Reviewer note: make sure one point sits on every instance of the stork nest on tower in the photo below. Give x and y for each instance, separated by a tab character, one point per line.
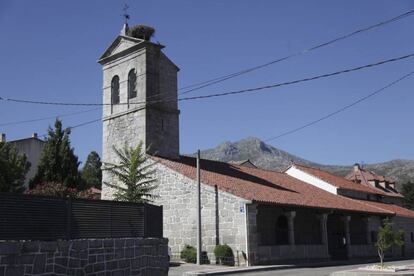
142	32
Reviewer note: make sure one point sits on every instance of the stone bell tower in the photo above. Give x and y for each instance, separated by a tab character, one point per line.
139	96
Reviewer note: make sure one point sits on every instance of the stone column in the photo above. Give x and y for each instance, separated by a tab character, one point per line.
323	218
324	228
252	235
368	228
347	219
291	226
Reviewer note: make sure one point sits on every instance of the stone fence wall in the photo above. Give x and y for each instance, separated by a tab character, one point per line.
124	256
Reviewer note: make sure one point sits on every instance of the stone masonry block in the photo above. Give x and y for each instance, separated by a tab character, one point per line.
95	244
30	247
49	246
14	271
7	248
80	245
39	265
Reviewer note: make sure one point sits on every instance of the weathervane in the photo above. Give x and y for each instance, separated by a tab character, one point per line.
126	15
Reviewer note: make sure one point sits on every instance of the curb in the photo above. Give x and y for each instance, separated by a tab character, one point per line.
275	267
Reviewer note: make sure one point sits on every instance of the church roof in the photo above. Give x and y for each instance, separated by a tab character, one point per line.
397	210
264	186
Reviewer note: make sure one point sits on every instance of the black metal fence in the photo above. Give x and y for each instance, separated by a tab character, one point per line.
28	217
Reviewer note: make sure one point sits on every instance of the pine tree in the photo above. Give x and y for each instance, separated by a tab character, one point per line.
135	175
13	169
57	163
91	172
408	193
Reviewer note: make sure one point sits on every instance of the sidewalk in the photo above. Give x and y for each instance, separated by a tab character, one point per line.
185	269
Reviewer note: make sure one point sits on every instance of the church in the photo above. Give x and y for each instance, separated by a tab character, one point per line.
302	214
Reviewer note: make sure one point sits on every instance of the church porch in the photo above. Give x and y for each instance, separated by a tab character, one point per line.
279	234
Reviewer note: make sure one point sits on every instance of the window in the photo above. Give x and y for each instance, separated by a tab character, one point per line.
132	84
115	90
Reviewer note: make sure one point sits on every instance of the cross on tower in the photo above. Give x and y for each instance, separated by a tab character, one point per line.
126	15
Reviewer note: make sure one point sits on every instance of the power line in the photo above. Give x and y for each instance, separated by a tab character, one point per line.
50	117
224	93
296	81
200	85
79	125
89	122
203	84
341	109
307	124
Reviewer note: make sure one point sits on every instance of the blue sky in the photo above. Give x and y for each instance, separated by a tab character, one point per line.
49	49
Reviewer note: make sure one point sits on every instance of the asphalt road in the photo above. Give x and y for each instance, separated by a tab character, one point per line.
304	271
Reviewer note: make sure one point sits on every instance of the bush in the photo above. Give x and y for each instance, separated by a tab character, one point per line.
189	255
52	189
224	254
59	190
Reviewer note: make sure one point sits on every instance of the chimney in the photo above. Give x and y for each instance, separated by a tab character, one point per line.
2	137
34	135
356	167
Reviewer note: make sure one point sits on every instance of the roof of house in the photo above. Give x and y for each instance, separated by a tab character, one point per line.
26	139
397	210
338	181
363	177
263	186
245	162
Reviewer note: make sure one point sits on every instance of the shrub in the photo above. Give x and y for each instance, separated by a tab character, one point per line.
224	254
52	189
59	190
189	254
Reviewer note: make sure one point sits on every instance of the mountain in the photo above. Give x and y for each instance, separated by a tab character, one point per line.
271	158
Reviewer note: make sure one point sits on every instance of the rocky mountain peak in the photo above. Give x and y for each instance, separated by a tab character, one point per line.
268	157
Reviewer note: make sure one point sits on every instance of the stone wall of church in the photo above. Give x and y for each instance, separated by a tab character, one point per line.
127	129
121	124
223	214
162	123
127	123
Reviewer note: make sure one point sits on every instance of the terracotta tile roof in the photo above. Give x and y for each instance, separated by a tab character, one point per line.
264	186
397	210
369	175
364	176
338	181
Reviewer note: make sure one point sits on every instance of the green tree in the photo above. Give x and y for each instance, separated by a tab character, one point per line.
135	175
408	193
91	173
387	238
13	169
58	162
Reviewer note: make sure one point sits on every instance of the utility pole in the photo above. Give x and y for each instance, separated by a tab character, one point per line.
198	209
